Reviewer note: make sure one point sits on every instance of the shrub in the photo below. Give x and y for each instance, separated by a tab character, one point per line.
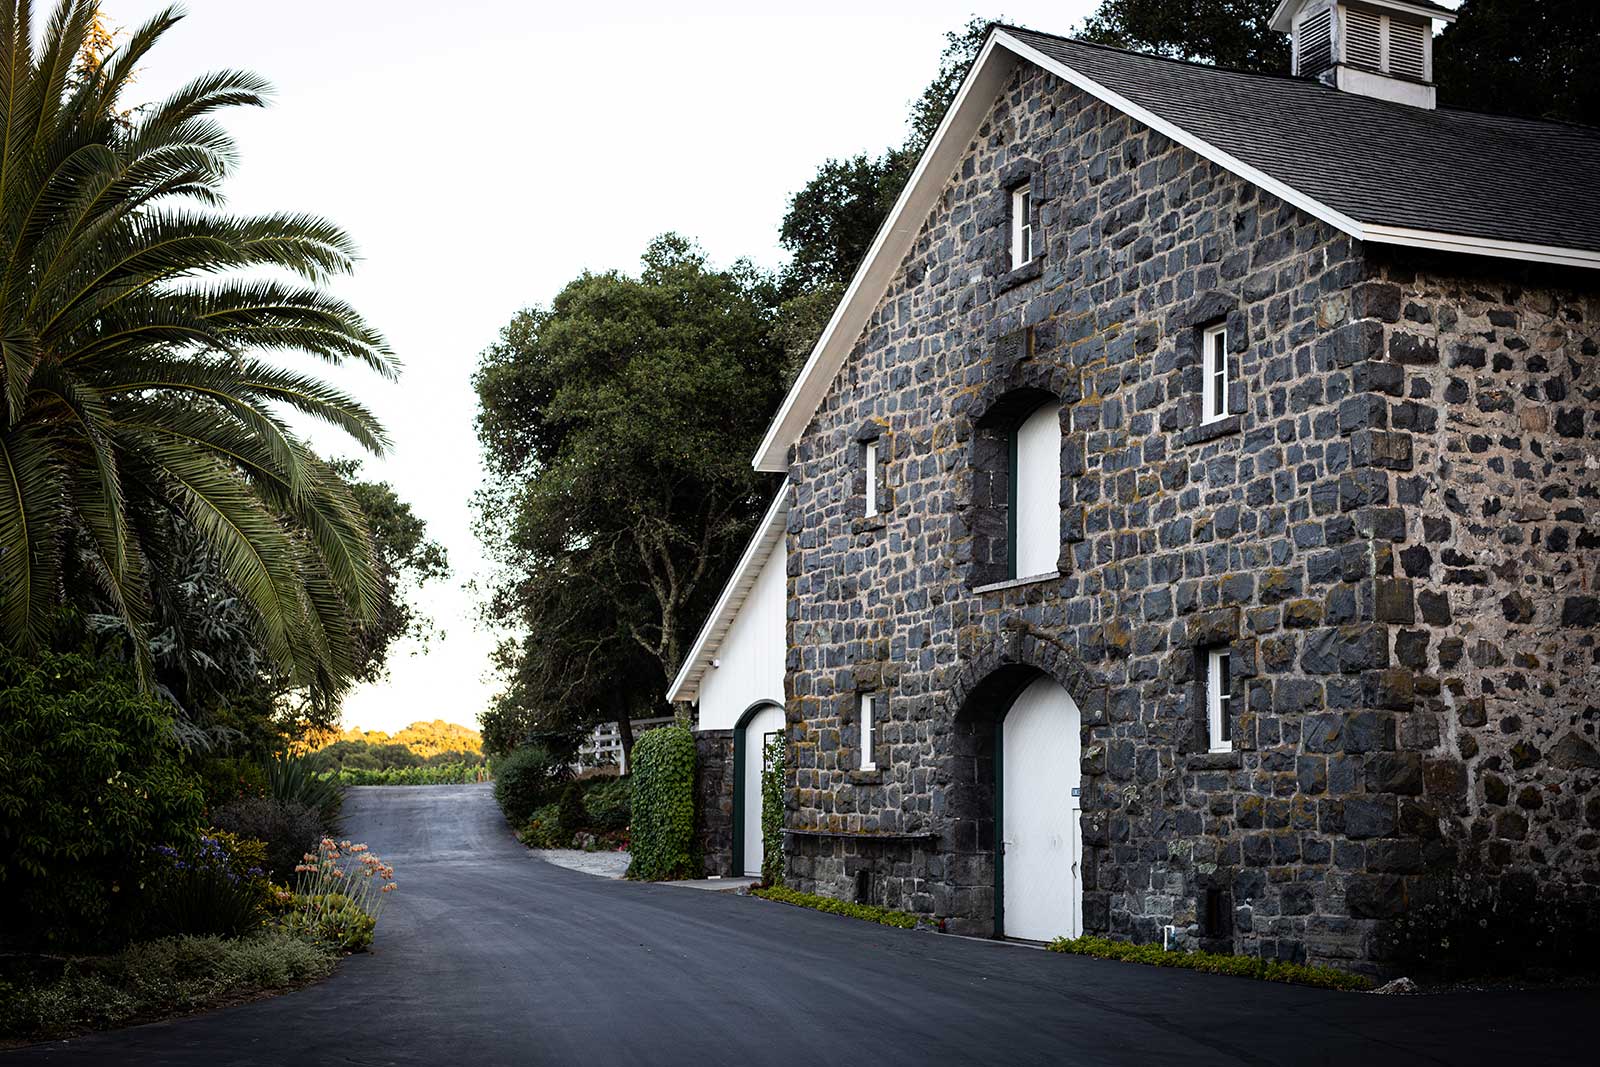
226	778
570	810
1211	963
543	829
606	803
155	978
662	825
90	783
869	912
772	812
293	780
207	890
287	829
527	779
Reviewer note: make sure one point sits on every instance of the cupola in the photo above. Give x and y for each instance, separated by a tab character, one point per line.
1379	48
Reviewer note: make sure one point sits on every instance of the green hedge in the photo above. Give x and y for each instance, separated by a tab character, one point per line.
869	912
772	812
1211	963
662	829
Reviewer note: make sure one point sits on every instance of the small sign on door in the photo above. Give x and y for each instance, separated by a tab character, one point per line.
1075	791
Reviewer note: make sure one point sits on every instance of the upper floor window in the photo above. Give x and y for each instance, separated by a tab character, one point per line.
869	737
1035	484
1021	226
1218	373
870	462
1219	701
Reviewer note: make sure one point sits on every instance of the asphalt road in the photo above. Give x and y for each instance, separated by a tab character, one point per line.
488	955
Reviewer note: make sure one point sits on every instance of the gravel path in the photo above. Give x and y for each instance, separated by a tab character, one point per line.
604	864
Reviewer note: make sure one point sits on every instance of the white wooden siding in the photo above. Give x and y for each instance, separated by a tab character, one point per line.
751	653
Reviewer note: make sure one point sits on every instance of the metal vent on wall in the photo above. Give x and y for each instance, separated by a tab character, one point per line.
1314	43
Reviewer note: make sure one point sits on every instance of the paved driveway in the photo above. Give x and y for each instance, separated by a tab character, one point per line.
488	955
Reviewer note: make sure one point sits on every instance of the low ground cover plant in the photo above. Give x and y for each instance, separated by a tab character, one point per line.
55	997
1211	963
868	912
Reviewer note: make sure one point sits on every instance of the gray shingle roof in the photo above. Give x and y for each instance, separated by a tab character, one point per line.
1383	164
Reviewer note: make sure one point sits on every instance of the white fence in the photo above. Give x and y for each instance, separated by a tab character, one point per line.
604	746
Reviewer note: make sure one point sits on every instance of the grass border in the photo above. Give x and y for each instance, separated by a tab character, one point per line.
1213	963
871	913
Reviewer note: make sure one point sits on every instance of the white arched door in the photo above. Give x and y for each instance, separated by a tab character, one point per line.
762	724
1042	863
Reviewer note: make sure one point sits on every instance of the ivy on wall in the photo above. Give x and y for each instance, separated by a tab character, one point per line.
772	811
662	831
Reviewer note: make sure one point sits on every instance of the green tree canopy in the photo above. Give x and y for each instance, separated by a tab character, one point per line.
1520	57
617	427
1227	33
147	358
1523	57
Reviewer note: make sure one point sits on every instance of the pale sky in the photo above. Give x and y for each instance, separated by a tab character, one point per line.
484	152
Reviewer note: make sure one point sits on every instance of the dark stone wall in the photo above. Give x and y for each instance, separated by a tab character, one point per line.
713	800
1283	534
1491	392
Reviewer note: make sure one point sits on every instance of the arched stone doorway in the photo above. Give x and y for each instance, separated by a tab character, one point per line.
1039	688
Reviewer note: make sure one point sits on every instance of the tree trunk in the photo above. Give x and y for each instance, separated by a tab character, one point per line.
624	734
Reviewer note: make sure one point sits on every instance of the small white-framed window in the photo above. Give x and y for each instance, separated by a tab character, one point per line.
870	461
1219	701
1021	226
1218	373
869	706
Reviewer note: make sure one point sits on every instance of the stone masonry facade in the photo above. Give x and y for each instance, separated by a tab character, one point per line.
1394	533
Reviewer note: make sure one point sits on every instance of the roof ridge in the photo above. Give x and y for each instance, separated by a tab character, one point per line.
1150	55
1199	65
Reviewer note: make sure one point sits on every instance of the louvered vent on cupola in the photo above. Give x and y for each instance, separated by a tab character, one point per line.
1381	48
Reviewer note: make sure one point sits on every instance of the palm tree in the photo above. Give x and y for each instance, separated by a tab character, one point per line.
146	347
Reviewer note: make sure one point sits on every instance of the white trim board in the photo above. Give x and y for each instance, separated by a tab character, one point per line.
686	686
971	105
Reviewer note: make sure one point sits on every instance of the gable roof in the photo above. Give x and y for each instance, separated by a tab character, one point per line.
1382	172
686	686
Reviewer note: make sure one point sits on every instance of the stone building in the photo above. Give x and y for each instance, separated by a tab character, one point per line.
1192	511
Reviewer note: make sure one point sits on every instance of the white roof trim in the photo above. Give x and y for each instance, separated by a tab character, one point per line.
972	102
686	686
888	250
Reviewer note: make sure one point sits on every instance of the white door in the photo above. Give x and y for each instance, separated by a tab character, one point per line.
1043	896
763	724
